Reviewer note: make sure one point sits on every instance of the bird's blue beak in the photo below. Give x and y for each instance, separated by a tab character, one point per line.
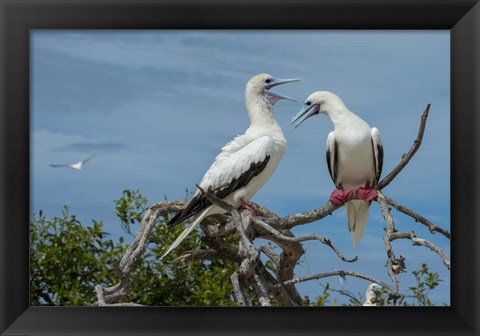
276	82
306	112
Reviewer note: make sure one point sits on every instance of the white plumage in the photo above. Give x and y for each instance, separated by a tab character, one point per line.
354	156
370	294
244	164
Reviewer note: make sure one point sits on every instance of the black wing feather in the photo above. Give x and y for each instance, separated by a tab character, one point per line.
200	202
378	171
333	172
380	161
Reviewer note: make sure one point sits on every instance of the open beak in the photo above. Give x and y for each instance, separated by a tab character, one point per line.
306	112
276	82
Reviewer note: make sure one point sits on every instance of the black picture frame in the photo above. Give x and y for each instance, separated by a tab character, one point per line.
18	17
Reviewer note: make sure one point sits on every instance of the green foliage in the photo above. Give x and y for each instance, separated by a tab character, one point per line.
67	259
170	283
426	282
130	208
324	298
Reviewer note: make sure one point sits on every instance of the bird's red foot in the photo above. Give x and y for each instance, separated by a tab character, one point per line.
340	196
249	208
367	194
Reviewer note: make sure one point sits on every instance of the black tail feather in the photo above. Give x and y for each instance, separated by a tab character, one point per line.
178	218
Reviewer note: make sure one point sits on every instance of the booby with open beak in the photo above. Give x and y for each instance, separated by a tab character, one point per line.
354	157
244	164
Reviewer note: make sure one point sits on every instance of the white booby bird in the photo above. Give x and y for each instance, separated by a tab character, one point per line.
370	294
245	163
77	165
354	157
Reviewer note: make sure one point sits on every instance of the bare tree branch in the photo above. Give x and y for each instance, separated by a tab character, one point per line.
270	253
274	233
291	221
406	157
334	273
389	230
418	218
198	255
242	297
422	242
261	290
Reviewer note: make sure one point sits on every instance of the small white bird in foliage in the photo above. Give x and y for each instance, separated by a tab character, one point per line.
76	165
244	164
370	294
354	157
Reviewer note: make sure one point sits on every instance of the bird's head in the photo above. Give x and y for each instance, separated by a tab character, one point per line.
318	102
261	84
370	293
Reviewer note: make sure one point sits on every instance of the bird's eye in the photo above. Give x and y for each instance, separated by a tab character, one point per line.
268	80
308	103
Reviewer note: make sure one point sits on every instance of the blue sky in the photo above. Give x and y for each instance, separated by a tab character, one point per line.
155	107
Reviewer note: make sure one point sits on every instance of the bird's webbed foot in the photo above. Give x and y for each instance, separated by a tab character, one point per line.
340	196
247	206
367	193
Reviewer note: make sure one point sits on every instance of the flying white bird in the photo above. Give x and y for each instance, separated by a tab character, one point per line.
354	157
244	164
76	165
370	294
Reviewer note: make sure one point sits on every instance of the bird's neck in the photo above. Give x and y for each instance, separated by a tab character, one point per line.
339	113
260	111
262	120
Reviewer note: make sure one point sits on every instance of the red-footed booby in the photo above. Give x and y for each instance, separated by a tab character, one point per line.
244	164
354	157
77	165
370	294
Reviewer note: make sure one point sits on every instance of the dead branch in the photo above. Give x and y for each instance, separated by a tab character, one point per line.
291	221
198	255
261	226
418	218
219	229
241	295
406	157
421	242
261	290
335	273
392	263
270	253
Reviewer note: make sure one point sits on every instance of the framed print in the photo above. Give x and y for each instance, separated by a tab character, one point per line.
126	101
